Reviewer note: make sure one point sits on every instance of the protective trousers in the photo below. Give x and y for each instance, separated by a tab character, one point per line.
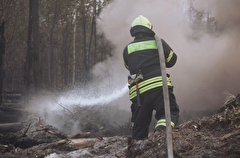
142	115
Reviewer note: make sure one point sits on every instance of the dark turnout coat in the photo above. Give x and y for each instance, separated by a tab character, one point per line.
142	55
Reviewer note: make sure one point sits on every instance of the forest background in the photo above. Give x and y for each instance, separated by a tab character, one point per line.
49	45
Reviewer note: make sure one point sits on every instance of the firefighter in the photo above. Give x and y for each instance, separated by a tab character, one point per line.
141	58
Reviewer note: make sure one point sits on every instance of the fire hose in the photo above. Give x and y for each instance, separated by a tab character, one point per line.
166	98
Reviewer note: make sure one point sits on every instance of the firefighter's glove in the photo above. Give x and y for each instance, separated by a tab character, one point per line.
135	78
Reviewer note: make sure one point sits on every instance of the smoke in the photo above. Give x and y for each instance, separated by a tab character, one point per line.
205	36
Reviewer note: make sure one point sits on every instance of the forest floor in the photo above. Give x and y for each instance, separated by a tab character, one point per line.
215	136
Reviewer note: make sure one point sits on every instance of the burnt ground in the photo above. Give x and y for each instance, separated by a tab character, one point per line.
215	136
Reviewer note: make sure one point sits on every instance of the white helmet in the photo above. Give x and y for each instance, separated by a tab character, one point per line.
142	21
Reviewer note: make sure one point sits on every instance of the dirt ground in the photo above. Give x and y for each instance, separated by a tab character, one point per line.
215	136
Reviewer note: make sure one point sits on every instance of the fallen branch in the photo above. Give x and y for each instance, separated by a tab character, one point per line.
226	136
72	143
11	127
25	132
53	144
83	142
81	135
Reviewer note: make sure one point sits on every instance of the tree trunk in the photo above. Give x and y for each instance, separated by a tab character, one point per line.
93	36
28	63
65	56
2	51
31	65
52	57
85	53
95	33
35	43
74	45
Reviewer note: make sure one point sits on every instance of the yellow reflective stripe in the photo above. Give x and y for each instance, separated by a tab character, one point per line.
148	85
162	122
133	47
151	86
126	66
133	89
144	89
150	81
131	96
170	56
146	82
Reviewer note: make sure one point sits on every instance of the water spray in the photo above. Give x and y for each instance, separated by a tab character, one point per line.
90	99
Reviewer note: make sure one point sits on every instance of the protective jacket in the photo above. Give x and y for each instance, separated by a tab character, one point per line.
142	55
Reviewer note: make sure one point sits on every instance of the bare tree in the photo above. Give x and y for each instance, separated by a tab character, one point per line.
68	45
35	41
31	65
2	51
74	44
85	53
93	34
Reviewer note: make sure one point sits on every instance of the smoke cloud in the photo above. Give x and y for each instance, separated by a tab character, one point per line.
205	36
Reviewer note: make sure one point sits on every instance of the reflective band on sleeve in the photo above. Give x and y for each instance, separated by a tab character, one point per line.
147	85
133	47
126	66
170	56
162	122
